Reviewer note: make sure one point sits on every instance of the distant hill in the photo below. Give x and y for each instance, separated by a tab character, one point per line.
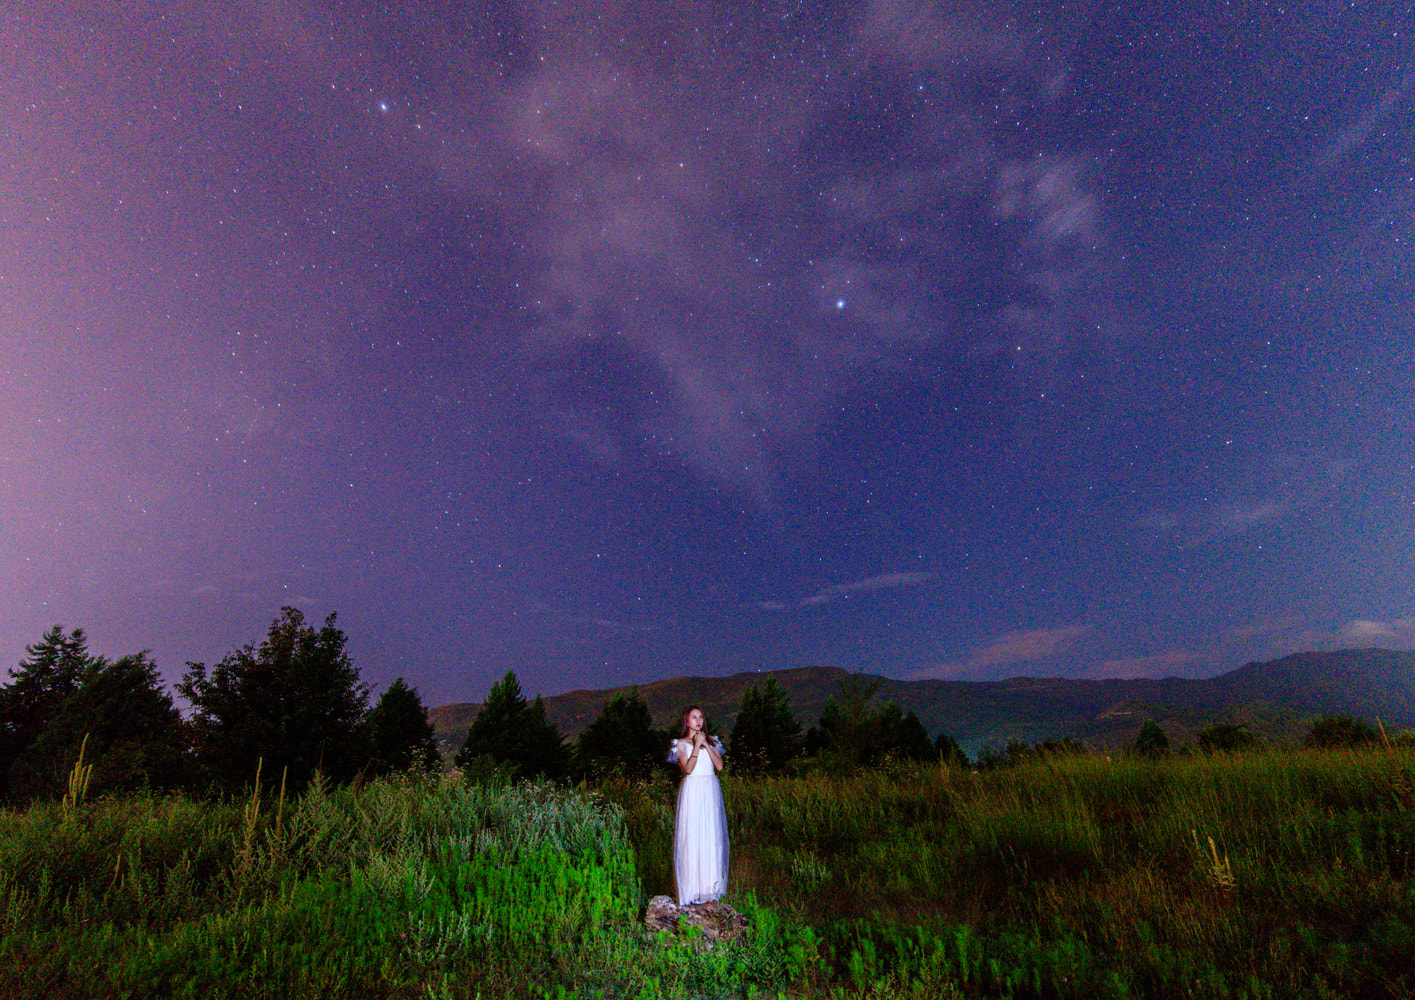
1277	699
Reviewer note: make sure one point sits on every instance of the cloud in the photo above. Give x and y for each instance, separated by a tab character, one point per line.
1241	517
1170	663
1398	631
1356	134
885	581
732	256
1212	523
705	255
609	626
1023	646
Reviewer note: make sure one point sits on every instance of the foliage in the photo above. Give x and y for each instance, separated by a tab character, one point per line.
765	734
1151	741
52	670
1071	875
400	735
512	733
1227	737
1017	752
414	886
1245	876
132	733
1333	731
61	698
621	741
295	702
950	752
852	733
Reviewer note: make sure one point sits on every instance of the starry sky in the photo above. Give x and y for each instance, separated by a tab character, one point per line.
610	341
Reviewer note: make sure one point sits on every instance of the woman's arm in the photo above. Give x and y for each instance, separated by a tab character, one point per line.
711	746
686	761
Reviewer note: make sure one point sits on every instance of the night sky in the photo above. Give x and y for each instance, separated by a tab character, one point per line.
610	341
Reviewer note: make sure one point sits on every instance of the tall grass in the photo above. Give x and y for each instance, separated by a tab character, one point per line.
1269	875
411	887
1275	874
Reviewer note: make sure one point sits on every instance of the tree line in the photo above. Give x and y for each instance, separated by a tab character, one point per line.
294	704
291	705
512	735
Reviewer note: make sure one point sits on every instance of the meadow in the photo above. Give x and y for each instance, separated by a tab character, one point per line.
1275	874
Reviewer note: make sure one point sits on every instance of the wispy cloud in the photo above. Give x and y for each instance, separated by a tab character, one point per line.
1356	134
1170	663
663	254
1216	522
1397	631
884	581
609	626
1022	646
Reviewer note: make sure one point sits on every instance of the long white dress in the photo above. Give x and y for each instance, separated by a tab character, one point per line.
699	829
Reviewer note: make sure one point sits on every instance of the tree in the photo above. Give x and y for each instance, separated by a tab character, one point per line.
1226	737
1340	731
512	733
295	701
843	733
52	670
127	726
851	733
765	735
621	742
400	735
950	751
1150	741
902	735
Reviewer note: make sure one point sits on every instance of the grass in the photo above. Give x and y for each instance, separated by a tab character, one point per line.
1275	874
1267	875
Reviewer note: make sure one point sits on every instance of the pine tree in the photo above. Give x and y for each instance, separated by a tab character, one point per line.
853	734
950	751
127	725
621	742
400	735
52	670
511	733
765	735
1150	741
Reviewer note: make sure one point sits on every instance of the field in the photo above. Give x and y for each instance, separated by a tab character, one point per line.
1268	875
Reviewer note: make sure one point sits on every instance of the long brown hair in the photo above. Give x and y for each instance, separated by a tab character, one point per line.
683	721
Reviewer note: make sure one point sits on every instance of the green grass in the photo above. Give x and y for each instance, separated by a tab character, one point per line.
1084	876
411	887
1270	875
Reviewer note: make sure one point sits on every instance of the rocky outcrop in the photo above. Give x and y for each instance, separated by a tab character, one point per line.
718	922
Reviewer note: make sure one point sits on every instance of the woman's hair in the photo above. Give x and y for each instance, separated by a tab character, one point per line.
683	720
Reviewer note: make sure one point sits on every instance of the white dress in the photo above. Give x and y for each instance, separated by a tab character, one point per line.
699	829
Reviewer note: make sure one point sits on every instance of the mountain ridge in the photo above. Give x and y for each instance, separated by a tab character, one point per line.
1275	698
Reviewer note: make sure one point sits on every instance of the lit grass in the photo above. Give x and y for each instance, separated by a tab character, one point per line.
410	887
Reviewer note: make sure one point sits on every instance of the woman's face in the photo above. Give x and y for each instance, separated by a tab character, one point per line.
695	720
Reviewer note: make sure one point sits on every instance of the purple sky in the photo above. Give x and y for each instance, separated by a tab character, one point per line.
612	341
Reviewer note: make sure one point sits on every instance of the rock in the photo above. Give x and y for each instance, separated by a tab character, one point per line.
717	921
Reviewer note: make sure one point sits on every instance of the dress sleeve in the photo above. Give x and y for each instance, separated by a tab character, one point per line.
717	745
673	752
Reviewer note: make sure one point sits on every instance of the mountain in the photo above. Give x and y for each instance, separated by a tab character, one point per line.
1277	699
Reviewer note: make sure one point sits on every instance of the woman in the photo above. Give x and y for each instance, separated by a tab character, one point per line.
700	828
